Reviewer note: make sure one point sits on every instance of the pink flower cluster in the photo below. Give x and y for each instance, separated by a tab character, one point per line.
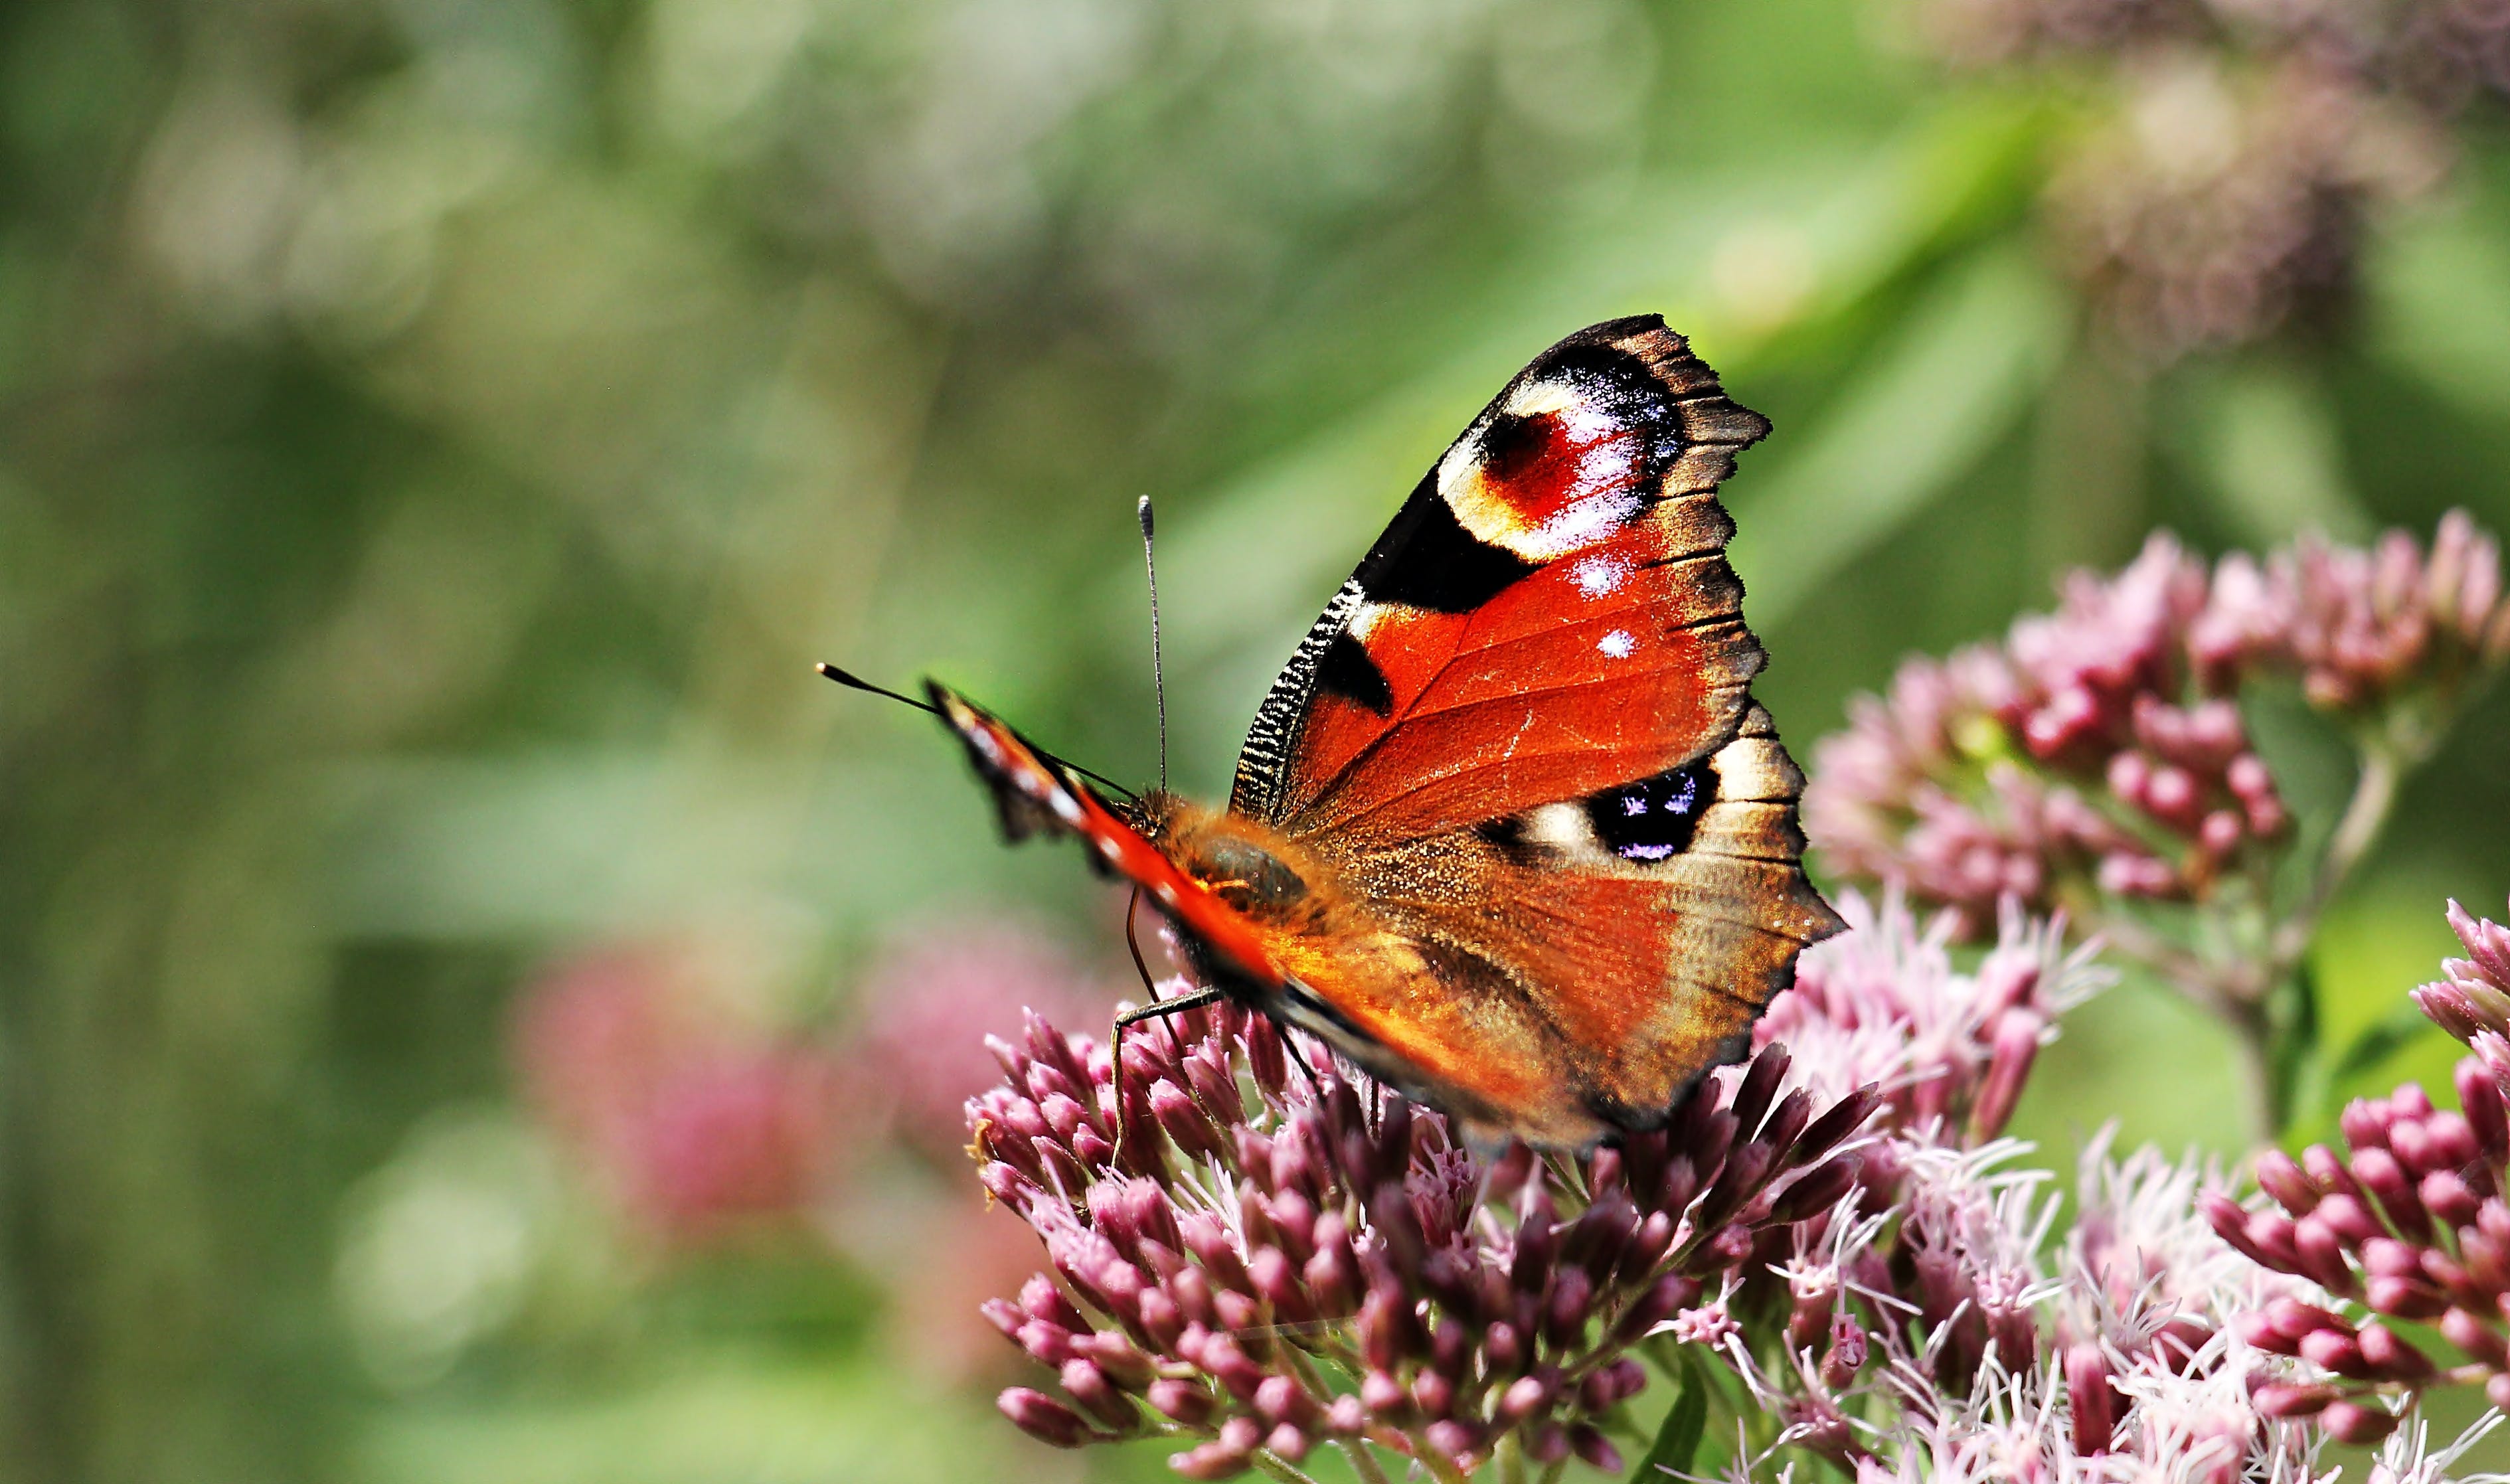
2100	752
1258	1265
1985	1350
2408	1223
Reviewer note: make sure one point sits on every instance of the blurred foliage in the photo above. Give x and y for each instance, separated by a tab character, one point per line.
436	438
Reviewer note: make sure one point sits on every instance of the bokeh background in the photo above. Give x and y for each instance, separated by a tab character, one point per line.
474	1007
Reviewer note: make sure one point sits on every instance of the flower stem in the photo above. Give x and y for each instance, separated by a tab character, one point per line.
1363	1463
1272	1466
1510	1456
2365	813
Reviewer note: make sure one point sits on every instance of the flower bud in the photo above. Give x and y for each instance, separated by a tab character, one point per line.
1383	1395
2478	1341
1045	1419
2092	1399
1564	1319
2390	1358
2290	1399
1089	1385
1759	1084
1595	1448
2334	1351
2349	1219
2386	1179
2014	1046
2280	1175
1816	1192
2356	1423
2481	1101
1433	1393
2403	1298
2365	1124
1452	1437
1524	1397
2448	1198
1182	1401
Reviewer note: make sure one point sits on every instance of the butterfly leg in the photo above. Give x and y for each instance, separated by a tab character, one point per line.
1154	1010
1290	1044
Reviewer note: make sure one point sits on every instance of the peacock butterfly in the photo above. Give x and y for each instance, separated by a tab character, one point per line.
1508	831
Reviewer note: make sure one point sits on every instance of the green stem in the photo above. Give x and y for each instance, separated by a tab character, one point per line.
2365	813
1272	1466
1510	1456
1362	1462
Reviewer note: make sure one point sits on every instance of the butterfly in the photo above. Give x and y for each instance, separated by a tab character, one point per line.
1509	831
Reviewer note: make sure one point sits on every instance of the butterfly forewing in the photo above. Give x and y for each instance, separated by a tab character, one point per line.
1550	614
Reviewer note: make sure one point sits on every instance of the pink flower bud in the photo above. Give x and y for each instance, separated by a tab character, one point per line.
1043	1418
2403	1298
1433	1393
2446	1197
1182	1401
1596	1449
2093	1401
2392	1358
1524	1397
2481	1099
2280	1175
1280	1399
2356	1423
2289	1399
2014	1044
1099	1396
2478	1341
2322	1255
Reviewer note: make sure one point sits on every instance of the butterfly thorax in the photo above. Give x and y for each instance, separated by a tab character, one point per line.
1246	864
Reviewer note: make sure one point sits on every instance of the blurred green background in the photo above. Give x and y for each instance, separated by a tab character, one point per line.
438	436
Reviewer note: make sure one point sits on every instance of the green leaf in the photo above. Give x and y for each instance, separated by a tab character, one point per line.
1678	1440
1958	373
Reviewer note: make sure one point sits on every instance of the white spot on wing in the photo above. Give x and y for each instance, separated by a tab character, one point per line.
1618	644
1600	576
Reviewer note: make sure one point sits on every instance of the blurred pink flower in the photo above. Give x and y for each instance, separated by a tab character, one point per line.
925	1006
694	1123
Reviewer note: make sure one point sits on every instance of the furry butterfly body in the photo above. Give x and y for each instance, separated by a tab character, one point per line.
1509	830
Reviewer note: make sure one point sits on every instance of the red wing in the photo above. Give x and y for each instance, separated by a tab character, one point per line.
1585	980
1549	615
1034	795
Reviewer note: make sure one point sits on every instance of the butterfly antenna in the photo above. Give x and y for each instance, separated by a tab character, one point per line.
854	682
1159	676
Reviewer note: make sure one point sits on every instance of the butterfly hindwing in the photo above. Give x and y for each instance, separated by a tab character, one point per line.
1579	979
